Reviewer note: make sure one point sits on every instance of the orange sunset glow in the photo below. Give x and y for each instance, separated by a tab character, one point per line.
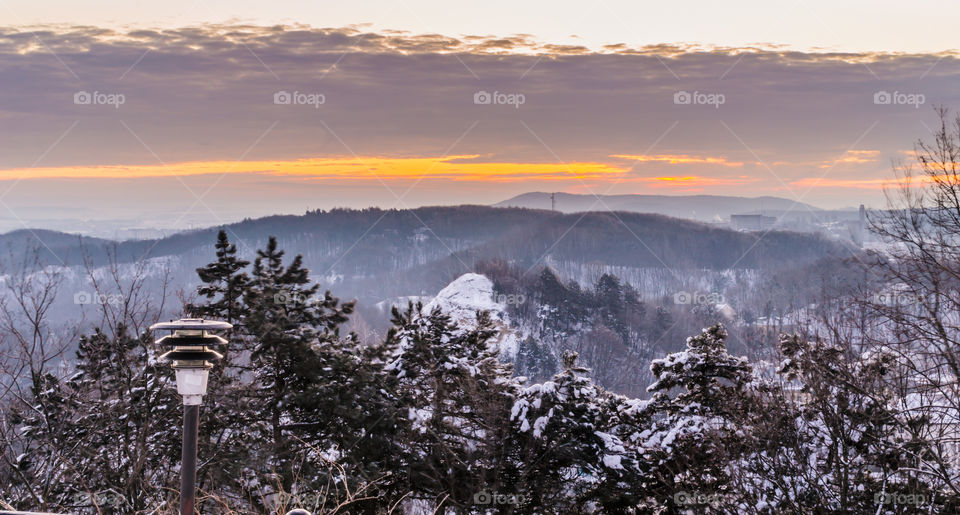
341	168
376	168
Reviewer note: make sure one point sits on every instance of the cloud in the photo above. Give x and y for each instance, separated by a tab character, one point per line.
201	100
869	184
680	159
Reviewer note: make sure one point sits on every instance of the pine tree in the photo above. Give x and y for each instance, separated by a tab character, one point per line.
223	285
698	431
350	417
572	457
308	399
562	307
38	477
286	324
855	435
659	328
610	304
535	360
453	397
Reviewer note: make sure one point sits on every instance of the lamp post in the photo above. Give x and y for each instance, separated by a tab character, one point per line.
191	358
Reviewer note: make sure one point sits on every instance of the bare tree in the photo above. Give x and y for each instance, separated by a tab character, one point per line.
84	424
31	348
916	314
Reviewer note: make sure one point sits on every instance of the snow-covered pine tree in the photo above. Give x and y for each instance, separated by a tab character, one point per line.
535	360
856	434
571	457
560	307
699	411
35	472
453	399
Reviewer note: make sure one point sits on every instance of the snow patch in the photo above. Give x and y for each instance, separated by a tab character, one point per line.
469	293
466	295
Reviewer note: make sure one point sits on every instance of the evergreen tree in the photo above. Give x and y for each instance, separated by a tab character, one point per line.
856	435
286	324
223	285
550	289
39	477
309	400
610	303
659	328
102	440
699	430
554	312
572	458
453	397
535	360
350	417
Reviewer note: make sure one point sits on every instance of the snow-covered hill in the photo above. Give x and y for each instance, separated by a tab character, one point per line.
469	293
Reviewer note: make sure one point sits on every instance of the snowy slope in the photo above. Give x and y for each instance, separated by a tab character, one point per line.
470	293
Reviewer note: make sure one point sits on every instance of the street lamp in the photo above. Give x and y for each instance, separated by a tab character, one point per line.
191	358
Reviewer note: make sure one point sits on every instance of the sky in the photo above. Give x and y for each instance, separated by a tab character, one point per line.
124	112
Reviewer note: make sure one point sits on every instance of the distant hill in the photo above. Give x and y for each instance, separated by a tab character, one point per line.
361	242
377	253
52	247
694	207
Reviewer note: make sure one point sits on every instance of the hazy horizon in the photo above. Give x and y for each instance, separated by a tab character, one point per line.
139	226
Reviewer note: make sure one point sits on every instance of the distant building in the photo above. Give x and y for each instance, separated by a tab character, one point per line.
752	222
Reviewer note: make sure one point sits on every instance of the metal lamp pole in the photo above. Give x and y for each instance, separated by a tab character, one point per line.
191	359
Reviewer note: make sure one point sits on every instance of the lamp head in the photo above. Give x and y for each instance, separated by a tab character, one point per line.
190	353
